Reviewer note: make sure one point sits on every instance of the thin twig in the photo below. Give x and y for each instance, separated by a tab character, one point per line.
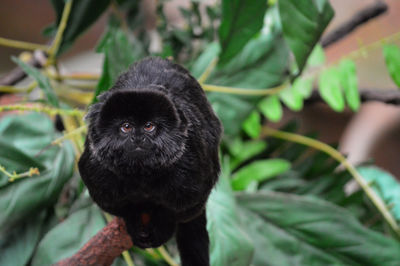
375	199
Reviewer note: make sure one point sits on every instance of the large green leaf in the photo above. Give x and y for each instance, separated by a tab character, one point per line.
261	64
22	137
119	53
385	185
295	230
42	80
303	22
68	237
241	20
258	171
230	245
18	244
391	53
83	14
209	54
232	111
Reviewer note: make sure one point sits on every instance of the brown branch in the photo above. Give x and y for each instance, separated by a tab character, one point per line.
366	95
103	248
358	19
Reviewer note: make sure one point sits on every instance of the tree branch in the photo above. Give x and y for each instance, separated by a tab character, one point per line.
358	19
103	248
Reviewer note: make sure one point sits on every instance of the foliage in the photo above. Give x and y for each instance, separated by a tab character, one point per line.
277	202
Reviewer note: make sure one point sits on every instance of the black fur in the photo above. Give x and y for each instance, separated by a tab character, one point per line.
164	186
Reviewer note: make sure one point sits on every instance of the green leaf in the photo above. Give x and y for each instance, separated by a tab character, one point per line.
292	98
18	244
204	60
261	64
229	244
241	20
296	230
83	14
41	79
349	83
271	108
386	186
252	125
242	151
68	237
303	23
329	87
231	110
22	137
258	171
119	54
317	56
303	87
391	53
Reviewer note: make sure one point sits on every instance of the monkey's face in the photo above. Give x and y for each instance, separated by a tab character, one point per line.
138	128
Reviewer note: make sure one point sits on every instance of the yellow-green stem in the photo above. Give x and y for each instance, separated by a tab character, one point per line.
165	255
60	31
208	71
22	45
13	89
375	199
69	135
242	91
42	109
13	176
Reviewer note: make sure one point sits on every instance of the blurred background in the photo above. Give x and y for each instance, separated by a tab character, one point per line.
370	134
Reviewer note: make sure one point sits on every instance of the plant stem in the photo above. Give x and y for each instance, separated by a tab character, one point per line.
242	91
69	135
42	109
208	71
74	76
22	45
375	199
61	27
165	255
13	176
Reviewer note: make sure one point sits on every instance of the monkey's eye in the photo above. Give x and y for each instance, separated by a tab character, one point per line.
149	127
126	127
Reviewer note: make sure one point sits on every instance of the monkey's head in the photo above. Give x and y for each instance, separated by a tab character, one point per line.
140	127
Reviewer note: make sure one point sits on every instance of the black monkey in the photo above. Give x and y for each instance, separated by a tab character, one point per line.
151	156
